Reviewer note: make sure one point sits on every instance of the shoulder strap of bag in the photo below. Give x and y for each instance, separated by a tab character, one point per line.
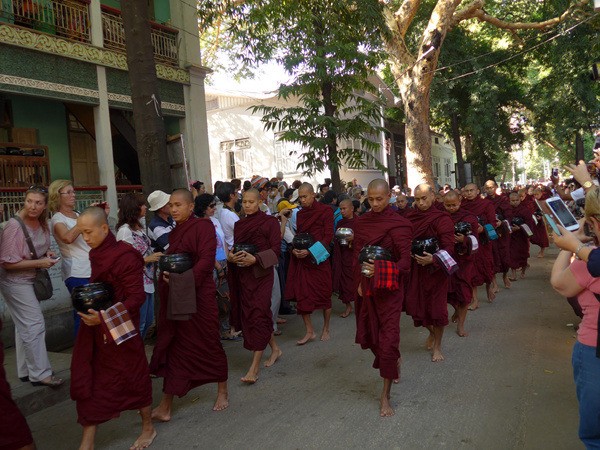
27	237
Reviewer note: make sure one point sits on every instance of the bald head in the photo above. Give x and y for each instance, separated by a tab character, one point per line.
346	202
93	225
379	184
94	215
424	189
183	194
306	187
471	191
452	202
182	205
347	208
490	187
253	193
424	197
451	195
251	201
306	195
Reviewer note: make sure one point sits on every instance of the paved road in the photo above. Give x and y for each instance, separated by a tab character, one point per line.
508	385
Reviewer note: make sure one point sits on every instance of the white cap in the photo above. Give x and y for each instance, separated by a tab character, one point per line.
294	196
157	200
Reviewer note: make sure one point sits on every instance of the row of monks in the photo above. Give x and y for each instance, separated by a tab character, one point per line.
107	378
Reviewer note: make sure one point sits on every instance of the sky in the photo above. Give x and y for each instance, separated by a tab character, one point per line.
267	79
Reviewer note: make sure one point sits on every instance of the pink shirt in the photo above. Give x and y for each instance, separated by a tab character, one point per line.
588	329
14	249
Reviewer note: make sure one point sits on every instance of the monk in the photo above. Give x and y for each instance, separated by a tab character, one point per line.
460	294
343	263
251	278
402	204
540	233
426	299
188	353
519	239
309	284
378	318
501	246
483	259
107	378
14	431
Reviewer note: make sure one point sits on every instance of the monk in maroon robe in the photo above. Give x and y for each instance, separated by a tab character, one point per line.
107	378
426	299
14	431
188	353
460	293
540	233
402	204
483	259
343	263
251	278
519	240
501	246
378	318
309	284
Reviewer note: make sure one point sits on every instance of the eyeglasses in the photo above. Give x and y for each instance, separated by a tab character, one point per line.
38	188
212	205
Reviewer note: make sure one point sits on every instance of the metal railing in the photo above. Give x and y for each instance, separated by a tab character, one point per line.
164	39
66	18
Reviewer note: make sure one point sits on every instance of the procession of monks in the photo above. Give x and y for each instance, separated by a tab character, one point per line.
108	378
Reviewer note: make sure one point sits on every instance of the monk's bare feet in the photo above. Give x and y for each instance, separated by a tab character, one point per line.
386	409
491	294
144	440
507	283
325	336
473	306
222	401
429	342
523	270
305	339
160	414
347	312
397	380
275	355
437	356
455	317
249	378
541	254
461	332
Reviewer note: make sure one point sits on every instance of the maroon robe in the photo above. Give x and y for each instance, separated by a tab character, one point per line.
426	299
14	431
378	317
188	353
461	281
107	378
519	241
343	265
403	212
484	259
501	246
250	287
307	283
540	233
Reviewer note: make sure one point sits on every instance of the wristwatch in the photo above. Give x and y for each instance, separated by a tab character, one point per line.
588	184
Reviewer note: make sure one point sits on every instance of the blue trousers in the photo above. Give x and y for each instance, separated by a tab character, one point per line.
71	283
146	315
586	372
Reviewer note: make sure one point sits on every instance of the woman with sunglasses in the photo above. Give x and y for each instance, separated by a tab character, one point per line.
17	286
205	206
132	208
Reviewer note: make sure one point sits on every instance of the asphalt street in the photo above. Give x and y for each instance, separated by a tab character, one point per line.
507	385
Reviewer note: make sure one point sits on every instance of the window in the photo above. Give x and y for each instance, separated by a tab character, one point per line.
239	157
447	168
286	152
437	140
436	166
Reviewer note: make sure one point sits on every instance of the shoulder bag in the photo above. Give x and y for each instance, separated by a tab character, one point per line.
42	285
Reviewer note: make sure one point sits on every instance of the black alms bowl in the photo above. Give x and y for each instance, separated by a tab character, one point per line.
303	241
96	296
518	221
248	248
374	252
176	262
463	228
420	246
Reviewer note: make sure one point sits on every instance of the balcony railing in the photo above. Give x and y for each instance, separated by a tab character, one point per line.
164	39
66	18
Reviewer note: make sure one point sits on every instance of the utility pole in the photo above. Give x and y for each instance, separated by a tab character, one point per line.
148	122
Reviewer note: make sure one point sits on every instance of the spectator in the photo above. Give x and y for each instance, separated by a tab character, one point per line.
198	188
132	208
296	184
227	195
75	264
330	199
17	285
280	181
162	223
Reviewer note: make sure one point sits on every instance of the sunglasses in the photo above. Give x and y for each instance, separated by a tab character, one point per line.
38	188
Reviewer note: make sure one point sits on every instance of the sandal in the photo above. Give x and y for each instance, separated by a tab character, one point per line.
54	382
24	379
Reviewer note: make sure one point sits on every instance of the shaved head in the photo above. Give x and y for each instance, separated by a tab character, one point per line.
346	202
379	183
451	195
424	188
306	195
472	186
183	194
424	197
378	195
93	225
252	192
94	216
307	187
347	208
452	202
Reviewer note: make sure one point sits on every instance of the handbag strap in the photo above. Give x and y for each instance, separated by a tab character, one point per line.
27	237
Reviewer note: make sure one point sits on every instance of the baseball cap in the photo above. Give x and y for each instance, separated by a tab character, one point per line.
284	204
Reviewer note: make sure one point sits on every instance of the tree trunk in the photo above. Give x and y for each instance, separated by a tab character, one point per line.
579	149
460	162
147	117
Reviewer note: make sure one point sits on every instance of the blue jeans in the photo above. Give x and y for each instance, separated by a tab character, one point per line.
146	315
586	372
71	283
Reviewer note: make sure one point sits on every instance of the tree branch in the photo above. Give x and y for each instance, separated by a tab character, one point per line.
405	15
396	44
468	12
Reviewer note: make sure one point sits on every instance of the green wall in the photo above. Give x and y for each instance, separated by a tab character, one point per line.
172	125
50	118
112	3
162	9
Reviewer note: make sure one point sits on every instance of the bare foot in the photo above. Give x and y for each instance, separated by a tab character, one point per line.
437	356
222	401
491	294
144	440
507	282
429	342
397	380
541	254
305	339
347	312
473	306
455	317
325	336
523	270
386	409
281	321
161	415
461	332
274	357
248	379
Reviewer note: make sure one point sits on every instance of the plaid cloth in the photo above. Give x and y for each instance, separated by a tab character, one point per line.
527	230
119	324
446	261
385	276
471	243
